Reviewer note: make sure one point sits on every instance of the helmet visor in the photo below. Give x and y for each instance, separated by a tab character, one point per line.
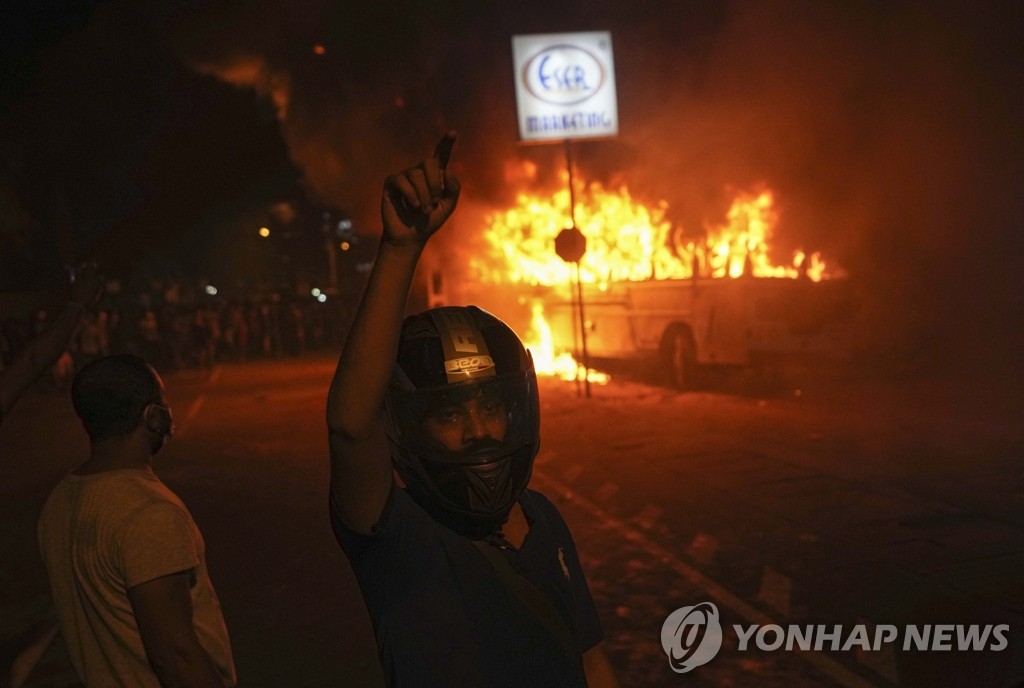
467	423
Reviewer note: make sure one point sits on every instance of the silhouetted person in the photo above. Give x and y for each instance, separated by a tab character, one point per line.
47	347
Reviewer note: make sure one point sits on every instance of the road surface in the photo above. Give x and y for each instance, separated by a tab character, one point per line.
862	503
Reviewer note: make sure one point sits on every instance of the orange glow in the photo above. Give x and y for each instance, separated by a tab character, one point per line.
626	240
541	343
264	232
249	71
319	49
520	172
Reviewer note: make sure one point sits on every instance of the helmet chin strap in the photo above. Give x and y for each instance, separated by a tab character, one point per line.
474	500
476	526
489	486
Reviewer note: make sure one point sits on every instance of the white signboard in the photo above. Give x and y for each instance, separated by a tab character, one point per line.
565	86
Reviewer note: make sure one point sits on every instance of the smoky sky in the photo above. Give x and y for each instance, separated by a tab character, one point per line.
888	130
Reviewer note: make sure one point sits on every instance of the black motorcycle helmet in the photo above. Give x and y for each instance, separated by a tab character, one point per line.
459	367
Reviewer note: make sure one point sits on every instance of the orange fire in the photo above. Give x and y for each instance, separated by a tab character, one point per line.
549	359
626	240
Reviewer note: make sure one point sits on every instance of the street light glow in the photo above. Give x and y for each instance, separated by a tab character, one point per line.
321	298
315	292
211	290
264	232
344	246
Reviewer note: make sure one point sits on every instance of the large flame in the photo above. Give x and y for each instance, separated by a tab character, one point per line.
626	240
551	359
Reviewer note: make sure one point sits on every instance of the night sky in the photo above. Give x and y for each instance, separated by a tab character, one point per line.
155	133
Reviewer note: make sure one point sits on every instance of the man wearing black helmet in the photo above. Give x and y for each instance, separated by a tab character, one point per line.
470	578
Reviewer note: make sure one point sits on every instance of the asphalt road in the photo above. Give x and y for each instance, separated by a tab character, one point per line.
861	503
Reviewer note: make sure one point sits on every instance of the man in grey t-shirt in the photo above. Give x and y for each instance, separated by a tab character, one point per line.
126	562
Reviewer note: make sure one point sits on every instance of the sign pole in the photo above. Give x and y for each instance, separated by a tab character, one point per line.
565	89
579	284
572	187
576	326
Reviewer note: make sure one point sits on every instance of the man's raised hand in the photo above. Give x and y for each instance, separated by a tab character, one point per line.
417	201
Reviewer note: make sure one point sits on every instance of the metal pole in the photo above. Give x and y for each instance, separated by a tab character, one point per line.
572	189
572	219
583	332
575	340
579	284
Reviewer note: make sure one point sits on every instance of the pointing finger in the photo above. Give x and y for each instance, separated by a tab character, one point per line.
443	150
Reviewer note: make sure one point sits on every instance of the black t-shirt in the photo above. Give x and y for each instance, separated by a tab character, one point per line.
442	616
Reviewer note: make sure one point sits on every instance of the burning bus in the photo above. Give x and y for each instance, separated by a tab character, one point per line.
652	295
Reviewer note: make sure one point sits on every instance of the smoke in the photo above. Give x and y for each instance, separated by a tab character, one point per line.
351	86
887	130
252	71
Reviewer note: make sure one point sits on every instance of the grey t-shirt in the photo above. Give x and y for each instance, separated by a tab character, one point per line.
103	534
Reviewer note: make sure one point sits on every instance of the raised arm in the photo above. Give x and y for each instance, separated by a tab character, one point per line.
40	353
414	205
